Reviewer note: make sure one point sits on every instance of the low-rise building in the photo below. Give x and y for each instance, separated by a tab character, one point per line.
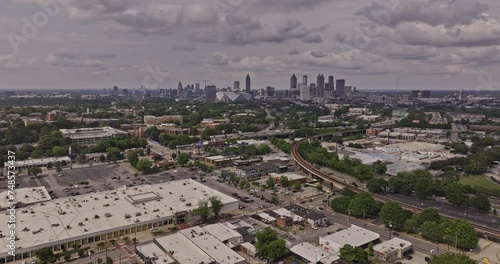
154	120
60	223
213	123
22	165
87	136
312	217
218	161
193	245
312	254
392	249
355	236
226	235
262	169
292	177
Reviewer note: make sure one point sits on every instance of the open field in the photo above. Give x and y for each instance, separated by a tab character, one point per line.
479	181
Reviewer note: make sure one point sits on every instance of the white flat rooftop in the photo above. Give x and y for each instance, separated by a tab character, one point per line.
221	232
155	253
391	245
355	236
35	162
24	196
313	253
183	250
62	220
221	253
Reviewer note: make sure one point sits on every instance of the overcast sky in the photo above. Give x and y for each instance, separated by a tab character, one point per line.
434	44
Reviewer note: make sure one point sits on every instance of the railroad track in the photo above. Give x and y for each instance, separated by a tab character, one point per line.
490	232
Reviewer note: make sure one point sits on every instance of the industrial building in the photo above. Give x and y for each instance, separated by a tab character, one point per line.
89	218
87	136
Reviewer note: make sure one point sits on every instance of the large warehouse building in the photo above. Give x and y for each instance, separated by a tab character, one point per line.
106	215
87	136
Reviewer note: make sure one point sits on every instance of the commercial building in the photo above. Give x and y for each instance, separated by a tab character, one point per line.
86	136
213	123
293	82
355	236
218	161
40	163
153	120
312	254
392	249
89	218
192	245
292	177
262	169
210	93
312	217
248	84
305	92
223	233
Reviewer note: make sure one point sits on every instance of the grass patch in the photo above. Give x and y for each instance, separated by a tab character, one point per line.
479	181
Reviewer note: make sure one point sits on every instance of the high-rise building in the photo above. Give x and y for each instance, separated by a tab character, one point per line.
304	80
115	90
197	86
330	82
125	92
293	82
211	93
340	87
305	92
236	85
179	90
248	87
321	85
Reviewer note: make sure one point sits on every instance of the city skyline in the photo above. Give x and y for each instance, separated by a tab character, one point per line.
409	45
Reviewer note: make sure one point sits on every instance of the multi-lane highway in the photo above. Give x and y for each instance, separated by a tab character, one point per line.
483	227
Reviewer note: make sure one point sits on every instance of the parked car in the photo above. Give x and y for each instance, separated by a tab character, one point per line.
427	259
409	257
234	194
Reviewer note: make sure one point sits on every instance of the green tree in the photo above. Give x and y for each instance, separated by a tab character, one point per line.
270	183
319	187
67	256
174	155
58	151
411	225
269	245
377	185
144	165
393	213
157	157
353	255
297	186
363	205
481	202
457	194
133	158
462	234
451	258
432	231
284	181
203	211
182	158
216	205
109	260
45	254
429	215
34	171
114	153
347	192
341	204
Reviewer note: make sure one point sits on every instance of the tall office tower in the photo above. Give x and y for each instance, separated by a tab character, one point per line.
210	93
248	87
115	90
125	92
415	94
330	81
197	86
340	87
321	85
179	90
426	94
293	82
314	91
304	80
236	85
